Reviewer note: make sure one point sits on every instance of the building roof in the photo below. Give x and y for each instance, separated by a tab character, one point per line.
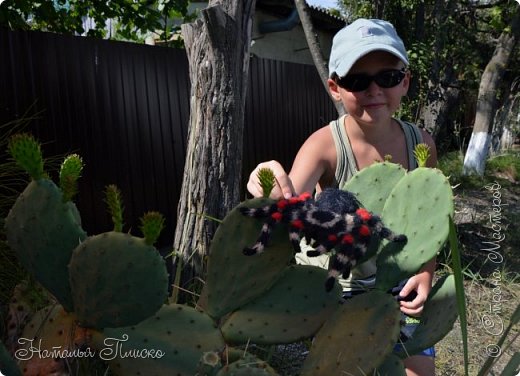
322	18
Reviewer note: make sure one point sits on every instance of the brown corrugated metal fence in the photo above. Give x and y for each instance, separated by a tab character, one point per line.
125	108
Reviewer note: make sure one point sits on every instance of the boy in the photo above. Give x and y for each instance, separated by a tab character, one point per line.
368	74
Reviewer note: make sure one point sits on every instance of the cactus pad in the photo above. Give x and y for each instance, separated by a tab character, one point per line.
247	365
356	338
293	309
43	231
116	280
27	153
234	279
419	206
181	333
373	184
391	366
437	319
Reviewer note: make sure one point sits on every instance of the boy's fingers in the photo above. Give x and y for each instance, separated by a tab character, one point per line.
285	185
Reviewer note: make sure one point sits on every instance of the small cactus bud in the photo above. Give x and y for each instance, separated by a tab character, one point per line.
70	172
388	158
267	181
152	223
115	206
422	153
27	153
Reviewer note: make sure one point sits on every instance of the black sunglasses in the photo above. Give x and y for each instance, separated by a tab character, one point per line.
361	81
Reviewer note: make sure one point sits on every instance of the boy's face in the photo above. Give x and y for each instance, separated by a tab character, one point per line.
374	104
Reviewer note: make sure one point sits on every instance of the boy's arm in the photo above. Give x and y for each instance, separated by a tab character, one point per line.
421	283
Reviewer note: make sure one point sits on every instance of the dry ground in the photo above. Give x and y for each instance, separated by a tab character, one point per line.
492	281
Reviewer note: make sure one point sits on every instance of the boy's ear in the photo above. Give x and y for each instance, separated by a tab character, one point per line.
334	89
406	81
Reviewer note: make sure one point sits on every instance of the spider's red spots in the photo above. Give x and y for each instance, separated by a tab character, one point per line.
364	231
364	214
305	196
297	224
277	216
332	238
293	200
281	204
349	239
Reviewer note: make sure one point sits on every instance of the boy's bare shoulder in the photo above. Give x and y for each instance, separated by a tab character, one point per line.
322	137
320	145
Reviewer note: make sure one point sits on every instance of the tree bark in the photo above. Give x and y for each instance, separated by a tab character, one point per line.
475	158
316	52
217	46
441	98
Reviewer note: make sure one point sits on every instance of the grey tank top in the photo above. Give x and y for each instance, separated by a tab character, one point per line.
346	165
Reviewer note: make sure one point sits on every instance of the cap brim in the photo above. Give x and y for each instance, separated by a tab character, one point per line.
346	64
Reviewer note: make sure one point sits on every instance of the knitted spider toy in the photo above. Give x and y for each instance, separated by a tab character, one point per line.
334	220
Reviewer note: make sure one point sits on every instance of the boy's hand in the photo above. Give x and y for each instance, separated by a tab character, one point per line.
421	284
283	187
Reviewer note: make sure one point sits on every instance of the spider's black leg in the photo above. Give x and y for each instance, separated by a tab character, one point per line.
294	237
261	243
385	233
334	272
322	247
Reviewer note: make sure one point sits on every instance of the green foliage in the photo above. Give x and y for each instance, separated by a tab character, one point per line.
25	150
132	20
267	181
152	223
70	172
114	202
422	154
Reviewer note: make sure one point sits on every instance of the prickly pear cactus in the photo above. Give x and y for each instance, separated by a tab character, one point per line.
293	309
117	280
391	366
419	206
233	279
373	184
356	338
247	365
171	342
381	178
42	227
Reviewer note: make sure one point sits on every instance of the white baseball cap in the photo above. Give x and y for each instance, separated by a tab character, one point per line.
360	38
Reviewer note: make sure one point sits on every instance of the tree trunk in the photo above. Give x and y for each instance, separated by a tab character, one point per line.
441	98
506	125
314	46
217	46
474	161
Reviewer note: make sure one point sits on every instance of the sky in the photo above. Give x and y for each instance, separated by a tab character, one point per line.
323	3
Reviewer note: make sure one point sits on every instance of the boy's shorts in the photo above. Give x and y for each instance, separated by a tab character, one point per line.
407	330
